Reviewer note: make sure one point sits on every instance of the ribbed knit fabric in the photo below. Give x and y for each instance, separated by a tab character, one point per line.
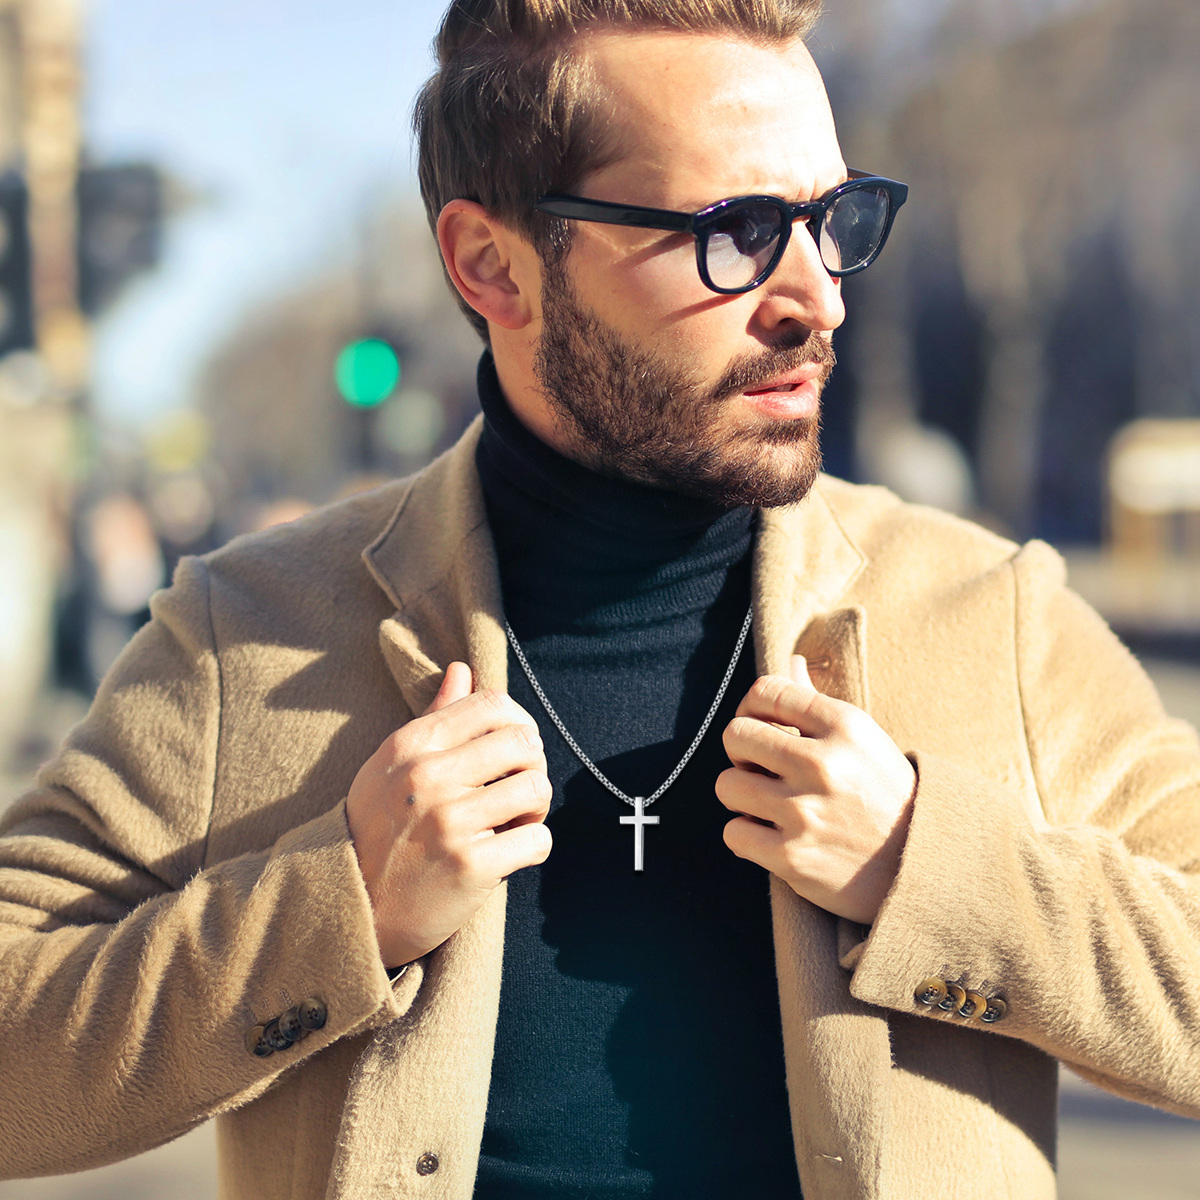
638	1051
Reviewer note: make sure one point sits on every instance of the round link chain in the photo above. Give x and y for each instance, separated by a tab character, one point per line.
578	750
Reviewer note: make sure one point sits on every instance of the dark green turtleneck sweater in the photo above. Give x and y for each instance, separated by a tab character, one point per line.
638	1052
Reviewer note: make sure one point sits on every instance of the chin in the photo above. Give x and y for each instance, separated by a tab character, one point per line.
769	469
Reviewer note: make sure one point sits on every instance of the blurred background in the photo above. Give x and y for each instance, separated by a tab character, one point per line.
220	305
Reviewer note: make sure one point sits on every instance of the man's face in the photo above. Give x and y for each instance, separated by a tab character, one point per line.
650	375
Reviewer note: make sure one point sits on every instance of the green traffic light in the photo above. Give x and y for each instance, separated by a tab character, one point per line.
367	372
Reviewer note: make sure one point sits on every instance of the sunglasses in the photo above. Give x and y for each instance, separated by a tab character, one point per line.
739	242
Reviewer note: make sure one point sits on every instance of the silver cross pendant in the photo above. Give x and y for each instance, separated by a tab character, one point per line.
639	821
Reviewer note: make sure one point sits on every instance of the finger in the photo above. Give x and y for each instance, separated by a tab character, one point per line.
756	843
752	744
498	857
472	716
787	702
751	794
478	761
798	670
519	799
457	684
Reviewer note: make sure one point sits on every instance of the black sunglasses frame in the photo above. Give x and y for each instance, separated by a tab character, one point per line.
699	224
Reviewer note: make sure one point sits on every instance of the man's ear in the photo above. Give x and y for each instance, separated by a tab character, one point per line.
496	271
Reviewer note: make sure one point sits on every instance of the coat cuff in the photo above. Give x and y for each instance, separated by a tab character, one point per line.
332	958
947	917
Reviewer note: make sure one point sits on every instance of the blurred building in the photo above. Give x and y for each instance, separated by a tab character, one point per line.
1044	286
43	339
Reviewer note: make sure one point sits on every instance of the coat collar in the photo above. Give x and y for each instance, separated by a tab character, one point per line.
804	563
436	561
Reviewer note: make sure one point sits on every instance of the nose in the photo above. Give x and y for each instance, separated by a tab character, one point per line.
800	289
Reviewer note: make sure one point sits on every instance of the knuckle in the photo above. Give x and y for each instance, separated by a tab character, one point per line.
527	736
458	860
851	722
444	822
736	729
401	745
540	787
494	699
825	770
422	776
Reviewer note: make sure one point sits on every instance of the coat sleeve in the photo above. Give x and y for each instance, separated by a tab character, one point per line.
131	973
1084	918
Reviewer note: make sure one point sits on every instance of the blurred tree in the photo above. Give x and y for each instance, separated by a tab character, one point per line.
281	426
1057	177
16	279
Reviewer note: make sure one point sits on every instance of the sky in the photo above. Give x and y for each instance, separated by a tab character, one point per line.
289	117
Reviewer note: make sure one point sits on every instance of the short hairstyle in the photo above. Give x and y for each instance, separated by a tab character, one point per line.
512	112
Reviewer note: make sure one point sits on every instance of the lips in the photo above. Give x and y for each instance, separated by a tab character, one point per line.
792	396
772	388
790	382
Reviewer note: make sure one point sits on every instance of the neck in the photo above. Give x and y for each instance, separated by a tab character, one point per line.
607	546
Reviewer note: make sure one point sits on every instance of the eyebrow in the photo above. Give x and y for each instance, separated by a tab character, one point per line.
740	195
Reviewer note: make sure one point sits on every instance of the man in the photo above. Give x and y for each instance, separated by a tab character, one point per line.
835	951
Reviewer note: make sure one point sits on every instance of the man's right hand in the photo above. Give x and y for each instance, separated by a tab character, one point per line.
450	805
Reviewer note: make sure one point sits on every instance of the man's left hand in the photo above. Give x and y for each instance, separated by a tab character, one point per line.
828	810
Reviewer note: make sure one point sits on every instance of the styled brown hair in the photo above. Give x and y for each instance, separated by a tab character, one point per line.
512	111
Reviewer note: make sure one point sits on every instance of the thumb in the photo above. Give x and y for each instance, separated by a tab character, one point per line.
799	671
457	684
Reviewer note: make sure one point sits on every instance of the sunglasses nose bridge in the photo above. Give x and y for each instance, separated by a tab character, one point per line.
811	215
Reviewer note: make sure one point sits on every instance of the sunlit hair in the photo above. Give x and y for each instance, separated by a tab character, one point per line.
513	111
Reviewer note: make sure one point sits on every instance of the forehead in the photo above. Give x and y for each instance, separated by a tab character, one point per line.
697	117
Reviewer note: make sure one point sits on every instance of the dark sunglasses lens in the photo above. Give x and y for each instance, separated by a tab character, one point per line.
741	243
854	228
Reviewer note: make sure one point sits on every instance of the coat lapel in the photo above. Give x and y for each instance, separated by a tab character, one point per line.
421	1084
836	1048
436	562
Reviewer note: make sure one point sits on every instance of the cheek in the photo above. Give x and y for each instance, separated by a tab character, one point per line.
631	281
654	297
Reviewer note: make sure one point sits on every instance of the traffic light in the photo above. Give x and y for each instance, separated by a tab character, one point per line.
367	372
121	211
16	279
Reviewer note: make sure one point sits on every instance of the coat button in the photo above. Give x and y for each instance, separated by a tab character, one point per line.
427	1164
930	991
995	1011
312	1013
955	995
275	1037
290	1027
973	1006
255	1042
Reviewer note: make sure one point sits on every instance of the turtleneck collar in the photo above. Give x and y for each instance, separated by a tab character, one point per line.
604	542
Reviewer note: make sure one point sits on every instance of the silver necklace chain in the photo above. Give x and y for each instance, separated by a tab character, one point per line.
637	803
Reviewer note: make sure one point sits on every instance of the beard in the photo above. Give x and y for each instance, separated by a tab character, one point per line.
631	414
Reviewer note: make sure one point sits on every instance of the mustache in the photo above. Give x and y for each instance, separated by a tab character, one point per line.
750	371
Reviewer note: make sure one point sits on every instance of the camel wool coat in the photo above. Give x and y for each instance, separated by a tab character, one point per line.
183	871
